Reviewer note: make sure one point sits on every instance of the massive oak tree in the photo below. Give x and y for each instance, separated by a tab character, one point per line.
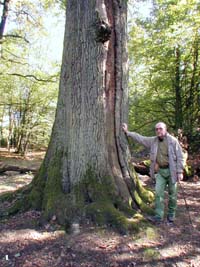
86	173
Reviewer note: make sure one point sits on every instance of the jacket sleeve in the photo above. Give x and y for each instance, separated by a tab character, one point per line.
180	158
143	140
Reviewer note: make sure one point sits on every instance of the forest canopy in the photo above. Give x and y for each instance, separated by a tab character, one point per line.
164	67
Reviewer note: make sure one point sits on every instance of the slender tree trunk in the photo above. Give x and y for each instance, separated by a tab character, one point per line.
4	17
85	172
24	125
1	126
191	113
10	128
178	104
194	85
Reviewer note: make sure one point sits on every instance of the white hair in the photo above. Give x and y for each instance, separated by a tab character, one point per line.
162	124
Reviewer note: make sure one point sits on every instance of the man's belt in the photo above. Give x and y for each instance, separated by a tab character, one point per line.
164	166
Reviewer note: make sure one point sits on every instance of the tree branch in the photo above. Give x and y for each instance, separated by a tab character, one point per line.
13	61
28	15
17	36
34	77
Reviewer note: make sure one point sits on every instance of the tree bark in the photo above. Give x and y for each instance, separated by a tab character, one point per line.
85	173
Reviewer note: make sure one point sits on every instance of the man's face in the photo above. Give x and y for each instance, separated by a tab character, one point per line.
160	130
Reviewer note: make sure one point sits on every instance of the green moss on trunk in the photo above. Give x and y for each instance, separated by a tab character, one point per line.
97	200
104	213
143	197
38	185
93	198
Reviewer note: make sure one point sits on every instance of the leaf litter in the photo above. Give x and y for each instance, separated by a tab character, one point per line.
26	243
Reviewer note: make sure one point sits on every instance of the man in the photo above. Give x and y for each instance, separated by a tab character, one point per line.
167	163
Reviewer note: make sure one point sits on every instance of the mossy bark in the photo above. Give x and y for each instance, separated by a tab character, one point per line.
92	199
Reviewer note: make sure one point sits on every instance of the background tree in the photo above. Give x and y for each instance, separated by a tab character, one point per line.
27	113
5	8
164	49
29	79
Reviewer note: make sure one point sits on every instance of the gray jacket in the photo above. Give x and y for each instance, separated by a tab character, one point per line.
176	160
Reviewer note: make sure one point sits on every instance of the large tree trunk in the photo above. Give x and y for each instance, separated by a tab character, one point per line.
85	172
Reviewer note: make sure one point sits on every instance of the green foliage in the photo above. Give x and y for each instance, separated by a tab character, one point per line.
51	3
30	109
29	78
164	67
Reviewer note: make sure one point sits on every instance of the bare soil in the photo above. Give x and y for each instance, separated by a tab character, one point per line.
24	242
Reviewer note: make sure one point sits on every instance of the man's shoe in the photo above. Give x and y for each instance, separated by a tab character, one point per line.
170	219
155	219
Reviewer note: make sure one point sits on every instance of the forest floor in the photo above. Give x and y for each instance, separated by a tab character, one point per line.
26	243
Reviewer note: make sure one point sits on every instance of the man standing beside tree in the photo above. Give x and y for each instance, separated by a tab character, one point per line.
167	165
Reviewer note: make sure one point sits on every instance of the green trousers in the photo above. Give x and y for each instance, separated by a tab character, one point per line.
163	181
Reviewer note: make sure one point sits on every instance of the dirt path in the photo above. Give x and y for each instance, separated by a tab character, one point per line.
25	243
